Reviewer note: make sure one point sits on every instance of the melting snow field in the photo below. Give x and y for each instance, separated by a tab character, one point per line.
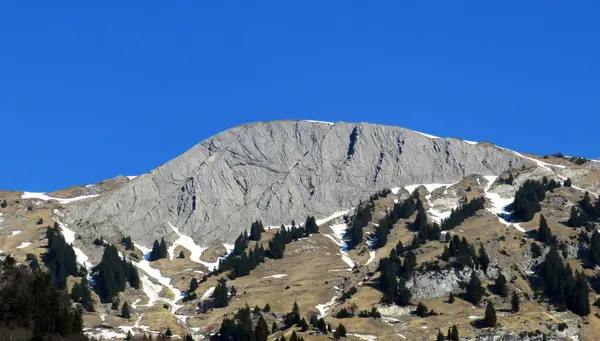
69	236
331	217
314	121
208	293
43	196
276	276
14	233
426	135
499	204
323	308
195	250
23	245
364	337
339	230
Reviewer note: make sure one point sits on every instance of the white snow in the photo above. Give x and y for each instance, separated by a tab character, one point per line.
338	237
131	177
315	121
323	308
208	292
43	196
276	276
331	217
499	204
426	135
371	257
402	336
470	142
23	245
195	250
103	334
473	317
14	233
151	290
69	236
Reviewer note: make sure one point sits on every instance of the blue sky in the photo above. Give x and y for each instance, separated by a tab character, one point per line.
90	90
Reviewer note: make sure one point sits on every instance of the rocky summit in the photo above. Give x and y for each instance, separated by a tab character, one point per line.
315	230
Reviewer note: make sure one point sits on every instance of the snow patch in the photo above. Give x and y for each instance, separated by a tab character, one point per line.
339	230
14	233
276	276
131	177
331	217
23	245
315	121
470	142
426	135
208	293
499	204
44	197
323	308
69	236
195	250
364	337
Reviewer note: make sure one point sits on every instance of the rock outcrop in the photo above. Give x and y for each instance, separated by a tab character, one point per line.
278	171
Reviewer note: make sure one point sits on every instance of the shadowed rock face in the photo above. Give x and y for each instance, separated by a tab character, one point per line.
278	171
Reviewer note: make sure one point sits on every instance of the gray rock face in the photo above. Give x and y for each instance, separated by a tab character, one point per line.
278	171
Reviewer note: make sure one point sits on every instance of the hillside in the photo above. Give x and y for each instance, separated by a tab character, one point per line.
395	212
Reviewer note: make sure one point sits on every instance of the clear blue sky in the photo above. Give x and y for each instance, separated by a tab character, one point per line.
93	89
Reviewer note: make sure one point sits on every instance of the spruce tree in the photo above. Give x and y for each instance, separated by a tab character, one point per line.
155	253
451	298
163	248
440	336
501	285
568	182
311	225
455	336
169	333
484	259
544	234
193	285
221	294
274	328
514	302
594	251
422	310
256	230
125	313
261	333
339	332
181	255
267	308
474	289
490	319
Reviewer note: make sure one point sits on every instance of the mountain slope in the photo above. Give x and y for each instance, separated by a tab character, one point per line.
279	171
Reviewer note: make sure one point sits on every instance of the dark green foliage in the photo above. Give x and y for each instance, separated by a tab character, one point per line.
594	251
125	313
261	333
422	310
311	225
267	308
126	241
322	326
159	250
544	233
181	255
527	200
256	229
303	325
475	290
463	212
277	244
552	185
462	253
536	250
451	298
514	302
293	317
483	259
401	210
361	218
374	313
393	286
453	334
490	320
3	204
346	295
344	313
577	218
60	258
340	332
568	182
112	274
501	285
274	328
221	294
508	180
30	301
81	293
440	336
568	291
193	285
168	333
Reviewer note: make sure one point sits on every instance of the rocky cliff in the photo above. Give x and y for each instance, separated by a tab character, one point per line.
278	171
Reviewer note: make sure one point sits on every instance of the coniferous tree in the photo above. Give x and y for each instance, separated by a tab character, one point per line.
514	302
474	289
128	243
527	200
451	298
544	234
3	204
440	336
568	182
267	308
261	332
501	285
340	332
181	255
484	259
422	310
221	294
464	211
256	230
193	285
311	225
274	328
594	251
455	336
163	248
125	313
60	258
490	319
155	253
169	333
536	250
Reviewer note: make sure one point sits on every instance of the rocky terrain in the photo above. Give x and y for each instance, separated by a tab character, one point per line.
283	171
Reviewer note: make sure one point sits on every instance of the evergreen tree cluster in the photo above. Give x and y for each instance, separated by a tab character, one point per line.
527	200
427	231
285	236
31	302
126	241
585	212
594	250
159	250
241	328
81	293
401	210
362	217
112	274
247	262
221	294
394	272
463	212
544	233
475	290
60	258
462	253
256	229
567	291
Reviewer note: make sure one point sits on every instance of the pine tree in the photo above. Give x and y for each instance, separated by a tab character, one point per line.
155	253
451	298
311	225
575	218
125	313
514	302
256	230
594	251
221	294
303	325
455	336
440	336
267	308
474	289
568	182
422	310
484	260
3	204
339	332
544	233
490	319
261	333
181	255
501	286
163	248
129	335
169	333
274	328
